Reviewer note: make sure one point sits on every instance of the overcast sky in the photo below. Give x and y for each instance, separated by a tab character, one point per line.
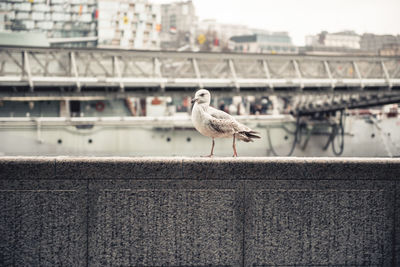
304	17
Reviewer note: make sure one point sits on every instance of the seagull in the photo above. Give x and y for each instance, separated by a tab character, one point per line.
215	123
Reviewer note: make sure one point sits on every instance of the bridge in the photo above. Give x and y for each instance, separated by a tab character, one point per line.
61	72
65	211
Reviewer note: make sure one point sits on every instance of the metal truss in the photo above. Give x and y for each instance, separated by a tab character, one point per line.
76	71
312	104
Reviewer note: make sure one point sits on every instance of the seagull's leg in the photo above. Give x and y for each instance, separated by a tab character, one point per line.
212	149
234	146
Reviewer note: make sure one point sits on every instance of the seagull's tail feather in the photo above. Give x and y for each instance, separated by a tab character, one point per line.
253	134
247	136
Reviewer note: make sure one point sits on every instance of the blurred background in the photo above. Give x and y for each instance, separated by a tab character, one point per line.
115	78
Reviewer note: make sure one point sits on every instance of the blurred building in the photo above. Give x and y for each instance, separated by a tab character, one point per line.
374	43
329	50
216	36
106	23
129	24
276	42
346	40
178	24
390	50
23	39
58	20
223	29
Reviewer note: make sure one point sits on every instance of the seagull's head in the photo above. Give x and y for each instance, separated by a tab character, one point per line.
202	96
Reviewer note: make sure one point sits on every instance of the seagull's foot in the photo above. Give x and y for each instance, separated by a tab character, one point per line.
235	155
209	156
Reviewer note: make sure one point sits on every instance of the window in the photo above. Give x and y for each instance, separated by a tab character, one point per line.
172	21
185	10
75	108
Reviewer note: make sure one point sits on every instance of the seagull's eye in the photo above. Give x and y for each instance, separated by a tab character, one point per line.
202	95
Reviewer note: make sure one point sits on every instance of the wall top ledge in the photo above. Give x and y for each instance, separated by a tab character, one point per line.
194	168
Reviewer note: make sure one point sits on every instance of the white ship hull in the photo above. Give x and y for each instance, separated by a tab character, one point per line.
168	136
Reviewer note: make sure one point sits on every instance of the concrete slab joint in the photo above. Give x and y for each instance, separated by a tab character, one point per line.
197	212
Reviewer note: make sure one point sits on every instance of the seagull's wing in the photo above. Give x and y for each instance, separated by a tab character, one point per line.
225	122
223	126
219	114
222	122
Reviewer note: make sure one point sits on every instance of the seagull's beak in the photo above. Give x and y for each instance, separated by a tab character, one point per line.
194	100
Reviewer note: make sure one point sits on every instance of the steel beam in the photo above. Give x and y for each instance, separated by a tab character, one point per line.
233	72
158	74
197	71
298	73
357	70
267	74
75	71
386	75
328	71
27	68
180	71
118	72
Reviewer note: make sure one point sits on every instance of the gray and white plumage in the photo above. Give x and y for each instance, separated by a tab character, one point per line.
215	123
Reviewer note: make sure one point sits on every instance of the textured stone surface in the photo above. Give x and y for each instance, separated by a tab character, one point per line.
396	260
118	168
319	223
199	168
27	167
196	211
291	168
136	223
42	223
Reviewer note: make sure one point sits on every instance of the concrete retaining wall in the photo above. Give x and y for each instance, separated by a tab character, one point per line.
191	211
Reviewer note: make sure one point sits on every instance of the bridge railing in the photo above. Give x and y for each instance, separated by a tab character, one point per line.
169	71
192	211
